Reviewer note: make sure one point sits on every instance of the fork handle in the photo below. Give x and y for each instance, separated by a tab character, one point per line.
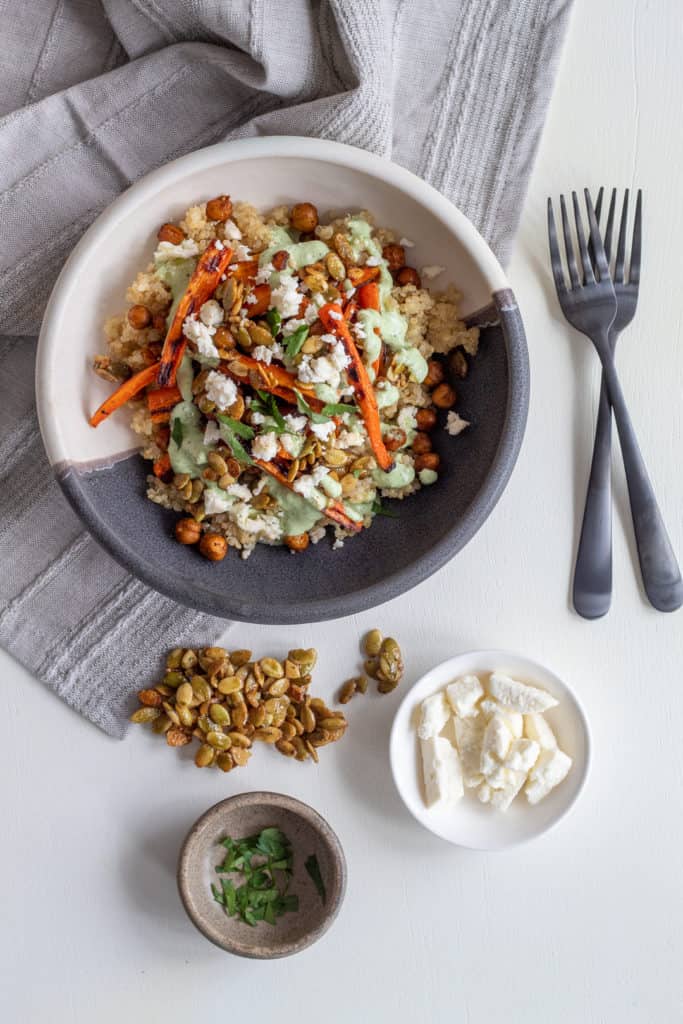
593	570
658	565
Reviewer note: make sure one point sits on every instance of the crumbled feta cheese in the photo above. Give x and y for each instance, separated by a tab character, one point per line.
305	486
463	695
434	713
317	534
433	271
406	418
257	418
549	771
334	315
250	299
286	298
211	313
212	433
323	430
350	439
319	473
219	245
536	728
240	491
292	443
277	350
264	446
311	314
497	739
231	231
373	261
201	335
264	272
295	424
263	354
502	797
358	330
292	325
469	733
267	526
329	339
406	243
339	543
339	357
318	371
168	251
221	390
484	793
241	252
518	695
522	755
455	424
441	771
215	501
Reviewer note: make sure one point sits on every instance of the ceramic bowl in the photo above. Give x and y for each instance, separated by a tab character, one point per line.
307	831
471	823
104	479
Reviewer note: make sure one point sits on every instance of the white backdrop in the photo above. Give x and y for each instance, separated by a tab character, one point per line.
582	925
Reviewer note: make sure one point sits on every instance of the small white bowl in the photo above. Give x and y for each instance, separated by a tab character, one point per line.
470	823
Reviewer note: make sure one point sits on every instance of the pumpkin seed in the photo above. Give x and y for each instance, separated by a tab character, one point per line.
219	714
188	660
161	725
347	691
361	684
184	694
292	670
268	734
187	716
293	470
171	712
240	756
286	748
238	739
150	698
335	267
259	335
306	659
174	679
371	667
164	690
272	667
143	715
173	658
176	737
390	660
312	751
257	716
217	462
342	247
231	684
225	762
300	750
372	643
335	457
278	688
307	718
239	715
335	722
205	723
218	740
179	481
204	756
288	731
239	658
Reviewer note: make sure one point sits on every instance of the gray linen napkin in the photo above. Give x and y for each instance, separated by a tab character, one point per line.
94	94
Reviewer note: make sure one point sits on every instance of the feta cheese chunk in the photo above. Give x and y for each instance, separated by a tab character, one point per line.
221	390
197	332
166	251
519	696
469	733
264	446
463	695
549	771
522	755
434	713
216	501
211	313
536	728
513	719
441	772
502	797
496	742
455	424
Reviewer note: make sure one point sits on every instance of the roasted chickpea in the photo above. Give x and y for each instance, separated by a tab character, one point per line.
435	374
394	439
443	396
213	546
428	460
280	259
187	531
159	323
170	233
219	208
304	217
458	363
425	419
422	443
408	275
297	542
139	317
395	255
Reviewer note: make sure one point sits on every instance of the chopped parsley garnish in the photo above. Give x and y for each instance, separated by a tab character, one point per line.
295	341
338	409
266	404
303	407
274	320
378	509
231	429
262	895
177	432
313	868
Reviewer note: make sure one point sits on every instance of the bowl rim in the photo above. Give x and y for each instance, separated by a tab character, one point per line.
225	604
496	654
290	804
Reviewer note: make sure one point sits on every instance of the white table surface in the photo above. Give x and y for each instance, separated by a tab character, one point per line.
581	925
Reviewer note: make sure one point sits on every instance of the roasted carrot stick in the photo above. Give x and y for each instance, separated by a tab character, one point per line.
163	399
358	375
203	283
368	296
274	379
124	392
162	467
245	270
334	510
359	275
261	293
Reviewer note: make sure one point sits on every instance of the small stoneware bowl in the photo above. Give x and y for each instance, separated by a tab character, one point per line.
244	815
104	478
470	823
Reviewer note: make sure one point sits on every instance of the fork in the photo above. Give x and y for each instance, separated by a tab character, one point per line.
593	571
590	305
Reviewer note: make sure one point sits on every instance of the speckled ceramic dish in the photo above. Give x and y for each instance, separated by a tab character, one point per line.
308	833
103	477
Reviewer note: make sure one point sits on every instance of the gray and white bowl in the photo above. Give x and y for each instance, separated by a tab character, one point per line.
104	478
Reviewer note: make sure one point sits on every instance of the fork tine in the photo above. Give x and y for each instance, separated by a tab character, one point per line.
588	275
569	248
555	258
634	267
598	205
596	241
621	244
607	237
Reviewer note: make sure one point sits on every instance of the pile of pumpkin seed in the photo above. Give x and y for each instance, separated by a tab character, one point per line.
227	701
383	662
